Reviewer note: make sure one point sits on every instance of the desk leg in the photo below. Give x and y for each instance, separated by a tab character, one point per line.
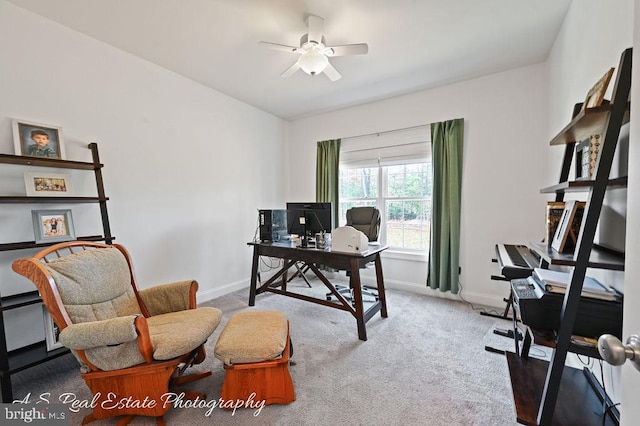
356	287
380	281
254	276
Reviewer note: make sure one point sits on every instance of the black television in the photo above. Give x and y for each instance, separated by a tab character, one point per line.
307	219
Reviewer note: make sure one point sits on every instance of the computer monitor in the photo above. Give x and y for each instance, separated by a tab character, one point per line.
307	219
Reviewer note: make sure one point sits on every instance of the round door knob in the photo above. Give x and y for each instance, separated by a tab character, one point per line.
615	353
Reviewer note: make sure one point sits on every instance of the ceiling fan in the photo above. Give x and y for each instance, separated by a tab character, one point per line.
314	53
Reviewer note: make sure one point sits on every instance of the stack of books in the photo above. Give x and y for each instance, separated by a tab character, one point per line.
556	282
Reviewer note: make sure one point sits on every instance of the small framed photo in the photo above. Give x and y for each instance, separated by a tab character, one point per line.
583	162
38	140
47	185
595	95
51	331
53	226
553	216
564	226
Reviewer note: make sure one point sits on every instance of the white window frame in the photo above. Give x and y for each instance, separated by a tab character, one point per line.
378	150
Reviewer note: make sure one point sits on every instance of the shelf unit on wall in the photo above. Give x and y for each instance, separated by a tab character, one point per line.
547	393
20	359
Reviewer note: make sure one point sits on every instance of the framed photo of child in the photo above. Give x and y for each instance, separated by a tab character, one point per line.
38	140
52	226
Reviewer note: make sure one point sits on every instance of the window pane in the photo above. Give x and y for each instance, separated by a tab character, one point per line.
403	195
408	224
359	183
409	180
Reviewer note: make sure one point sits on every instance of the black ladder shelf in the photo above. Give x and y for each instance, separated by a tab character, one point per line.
20	359
537	384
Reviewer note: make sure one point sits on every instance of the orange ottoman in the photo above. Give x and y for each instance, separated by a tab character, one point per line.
255	348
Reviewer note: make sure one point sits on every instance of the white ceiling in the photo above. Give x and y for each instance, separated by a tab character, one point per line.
413	44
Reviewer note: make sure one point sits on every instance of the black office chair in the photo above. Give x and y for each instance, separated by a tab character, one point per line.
366	220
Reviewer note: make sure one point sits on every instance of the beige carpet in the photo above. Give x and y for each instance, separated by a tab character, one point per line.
424	365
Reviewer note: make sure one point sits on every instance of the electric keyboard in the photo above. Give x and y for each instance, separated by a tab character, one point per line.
516	260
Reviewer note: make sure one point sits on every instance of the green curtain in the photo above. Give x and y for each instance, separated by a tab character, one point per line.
446	151
327	171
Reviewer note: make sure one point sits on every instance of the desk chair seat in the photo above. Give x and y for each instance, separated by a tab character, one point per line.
129	342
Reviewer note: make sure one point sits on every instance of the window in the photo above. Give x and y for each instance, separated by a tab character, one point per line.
397	179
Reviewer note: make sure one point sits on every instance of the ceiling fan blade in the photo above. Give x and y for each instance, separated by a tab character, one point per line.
291	70
332	73
283	47
347	49
314	24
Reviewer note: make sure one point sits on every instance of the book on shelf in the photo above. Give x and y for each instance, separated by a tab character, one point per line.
557	282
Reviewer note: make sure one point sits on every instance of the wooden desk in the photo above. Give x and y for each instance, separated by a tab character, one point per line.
311	257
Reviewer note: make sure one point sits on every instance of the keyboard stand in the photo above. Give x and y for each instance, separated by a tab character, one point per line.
509	302
505	316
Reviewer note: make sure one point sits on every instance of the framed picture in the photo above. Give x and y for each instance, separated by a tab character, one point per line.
47	185
553	215
38	140
564	226
587	153
582	161
53	225
596	93
51	331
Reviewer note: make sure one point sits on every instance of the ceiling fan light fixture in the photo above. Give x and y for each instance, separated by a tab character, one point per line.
313	61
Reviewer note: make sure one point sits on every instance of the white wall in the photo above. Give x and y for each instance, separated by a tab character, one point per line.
186	167
504	165
578	59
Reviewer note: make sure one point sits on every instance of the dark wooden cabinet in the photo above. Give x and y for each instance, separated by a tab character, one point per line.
17	360
551	393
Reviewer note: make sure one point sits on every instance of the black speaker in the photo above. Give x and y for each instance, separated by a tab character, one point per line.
273	225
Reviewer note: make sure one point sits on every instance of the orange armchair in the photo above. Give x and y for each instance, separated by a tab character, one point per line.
129	342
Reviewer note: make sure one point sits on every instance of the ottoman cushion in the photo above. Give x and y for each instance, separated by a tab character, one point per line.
252	336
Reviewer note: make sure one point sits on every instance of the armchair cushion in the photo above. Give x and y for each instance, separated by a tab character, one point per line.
177	333
95	285
88	335
167	298
252	336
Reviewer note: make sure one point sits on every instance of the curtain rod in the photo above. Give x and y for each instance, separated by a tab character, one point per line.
386	131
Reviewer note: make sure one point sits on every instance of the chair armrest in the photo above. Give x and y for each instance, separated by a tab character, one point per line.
94	334
173	297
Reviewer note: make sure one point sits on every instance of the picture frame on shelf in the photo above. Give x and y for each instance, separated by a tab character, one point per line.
582	161
587	153
564	226
47	185
51	331
53	225
552	218
38	140
595	96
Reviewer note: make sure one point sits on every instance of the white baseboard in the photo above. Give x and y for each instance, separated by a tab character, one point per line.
214	293
474	298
